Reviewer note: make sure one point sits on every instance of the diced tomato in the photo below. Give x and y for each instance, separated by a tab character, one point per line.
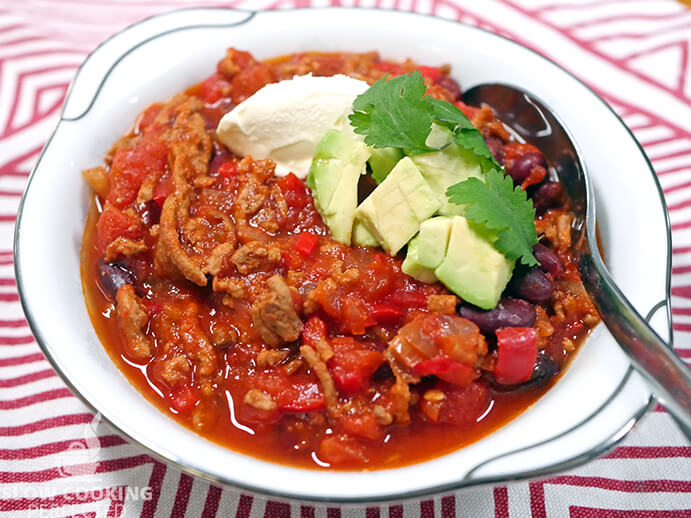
163	188
355	316
131	166
184	398
113	223
362	425
393	69
314	331
513	150
251	415
341	449
386	314
376	280
306	244
516	354
240	58
291	260
432	73
446	369
228	169
294	191
249	80
304	397
462	406
147	117
213	88
352	365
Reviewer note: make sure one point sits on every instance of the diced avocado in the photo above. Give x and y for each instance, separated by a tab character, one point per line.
412	266
444	168
362	236
394	210
338	162
382	161
433	240
472	267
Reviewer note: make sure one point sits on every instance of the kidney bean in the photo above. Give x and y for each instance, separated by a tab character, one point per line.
451	85
150	212
496	147
533	285
508	313
547	195
111	276
548	260
545	368
523	165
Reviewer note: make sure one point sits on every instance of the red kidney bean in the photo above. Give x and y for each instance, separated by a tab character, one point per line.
111	276
508	313
496	147
533	285
149	212
547	195
451	85
545	368
548	260
522	166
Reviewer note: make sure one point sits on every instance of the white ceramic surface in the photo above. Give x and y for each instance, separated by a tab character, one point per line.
593	405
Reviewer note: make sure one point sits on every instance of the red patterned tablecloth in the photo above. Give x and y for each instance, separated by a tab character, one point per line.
58	460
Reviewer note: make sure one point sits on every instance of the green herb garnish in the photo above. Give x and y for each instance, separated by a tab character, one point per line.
503	208
396	113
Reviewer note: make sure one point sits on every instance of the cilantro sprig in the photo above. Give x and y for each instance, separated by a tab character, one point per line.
503	208
397	113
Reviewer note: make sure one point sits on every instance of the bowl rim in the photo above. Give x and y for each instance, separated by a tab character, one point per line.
237	483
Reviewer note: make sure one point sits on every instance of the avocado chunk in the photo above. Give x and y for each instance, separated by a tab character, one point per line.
472	267
392	213
444	168
433	241
338	162
362	236
382	161
411	265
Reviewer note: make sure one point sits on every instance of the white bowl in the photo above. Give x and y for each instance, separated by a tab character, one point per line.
592	406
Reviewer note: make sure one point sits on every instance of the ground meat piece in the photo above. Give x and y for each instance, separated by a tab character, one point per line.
271	357
293	367
382	416
260	399
170	256
133	316
146	191
274	314
325	379
400	392
231	286
255	256
124	246
324	349
195	343
224	336
97	178
444	304
175	369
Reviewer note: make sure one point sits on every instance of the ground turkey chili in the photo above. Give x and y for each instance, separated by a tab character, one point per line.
215	287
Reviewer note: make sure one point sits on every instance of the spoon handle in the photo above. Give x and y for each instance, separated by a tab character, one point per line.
666	373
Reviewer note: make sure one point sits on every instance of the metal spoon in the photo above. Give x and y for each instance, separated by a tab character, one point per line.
668	377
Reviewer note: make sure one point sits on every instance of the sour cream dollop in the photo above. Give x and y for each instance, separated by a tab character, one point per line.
284	121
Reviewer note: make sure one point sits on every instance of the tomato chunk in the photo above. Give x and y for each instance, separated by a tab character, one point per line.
352	365
446	369
432	73
516	354
386	313
184	398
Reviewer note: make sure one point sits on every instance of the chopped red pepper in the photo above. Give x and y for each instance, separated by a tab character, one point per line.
446	369
516	354
301	398
432	73
306	244
386	313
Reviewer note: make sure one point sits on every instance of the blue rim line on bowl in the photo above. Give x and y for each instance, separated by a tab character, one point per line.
467	480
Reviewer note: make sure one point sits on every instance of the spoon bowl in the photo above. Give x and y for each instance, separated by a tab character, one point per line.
667	375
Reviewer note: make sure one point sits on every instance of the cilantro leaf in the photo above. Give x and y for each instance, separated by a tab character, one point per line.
394	113
500	207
